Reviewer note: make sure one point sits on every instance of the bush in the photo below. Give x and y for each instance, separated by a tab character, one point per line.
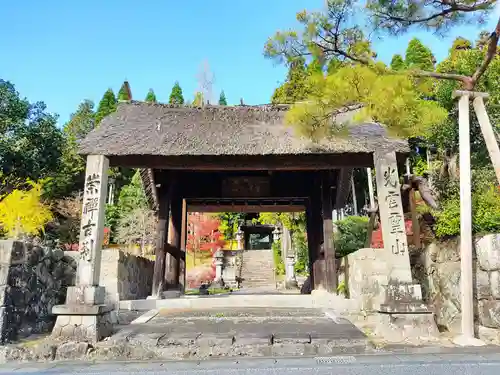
350	235
299	241
485	207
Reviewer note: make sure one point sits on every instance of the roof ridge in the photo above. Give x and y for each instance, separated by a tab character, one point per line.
267	107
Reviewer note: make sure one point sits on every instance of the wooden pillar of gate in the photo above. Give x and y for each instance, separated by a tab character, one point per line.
330	267
171	280
161	239
315	236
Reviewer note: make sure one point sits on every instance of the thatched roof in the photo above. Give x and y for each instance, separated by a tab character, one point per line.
139	128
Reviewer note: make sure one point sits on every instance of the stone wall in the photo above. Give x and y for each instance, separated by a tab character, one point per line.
32	280
124	276
437	269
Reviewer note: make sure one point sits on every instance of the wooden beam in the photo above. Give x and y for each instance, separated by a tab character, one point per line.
245	208
310	162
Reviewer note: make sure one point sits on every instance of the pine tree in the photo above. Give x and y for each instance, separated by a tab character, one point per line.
397	63
222	98
107	105
125	94
176	95
294	89
419	56
151	97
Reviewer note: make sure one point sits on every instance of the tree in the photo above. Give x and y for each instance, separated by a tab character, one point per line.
398	17
204	236
137	227
331	34
71	174
397	63
206	79
151	97
222	98
68	213
419	56
295	87
125	94
22	212
81	122
407	116
30	141
106	106
176	95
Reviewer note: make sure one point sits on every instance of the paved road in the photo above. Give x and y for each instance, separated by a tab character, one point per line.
416	364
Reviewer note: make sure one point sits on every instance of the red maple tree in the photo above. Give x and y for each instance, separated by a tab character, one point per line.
203	236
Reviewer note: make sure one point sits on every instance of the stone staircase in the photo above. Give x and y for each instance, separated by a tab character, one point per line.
257	269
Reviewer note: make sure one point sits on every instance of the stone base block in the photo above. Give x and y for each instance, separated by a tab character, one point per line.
396	328
90	295
90	328
291	284
404	308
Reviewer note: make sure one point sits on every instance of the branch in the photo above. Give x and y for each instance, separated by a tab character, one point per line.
492	49
453	7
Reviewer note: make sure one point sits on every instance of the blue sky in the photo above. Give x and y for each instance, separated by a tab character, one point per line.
62	52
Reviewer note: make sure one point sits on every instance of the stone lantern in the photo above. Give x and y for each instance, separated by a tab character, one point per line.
240	238
219	263
276	234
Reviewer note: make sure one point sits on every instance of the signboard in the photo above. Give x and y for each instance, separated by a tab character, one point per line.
246	187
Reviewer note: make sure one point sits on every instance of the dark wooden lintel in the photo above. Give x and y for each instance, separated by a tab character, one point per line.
311	162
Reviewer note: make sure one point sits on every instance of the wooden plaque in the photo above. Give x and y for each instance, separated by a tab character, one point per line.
246	187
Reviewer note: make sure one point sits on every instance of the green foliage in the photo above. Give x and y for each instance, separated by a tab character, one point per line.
295	88
222	98
150	97
279	265
30	141
419	56
176	95
71	174
296	224
350	235
485	205
397	63
342	288
229	222
460	44
333	33
389	99
131	197
419	166
301	248
106	106
124	94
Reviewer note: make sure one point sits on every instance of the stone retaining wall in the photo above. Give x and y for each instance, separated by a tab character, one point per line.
437	269
32	280
363	272
124	276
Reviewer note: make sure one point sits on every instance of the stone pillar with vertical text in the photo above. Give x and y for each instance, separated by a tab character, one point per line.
392	217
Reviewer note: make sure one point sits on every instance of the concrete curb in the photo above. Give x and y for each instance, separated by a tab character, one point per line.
144	318
331	302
